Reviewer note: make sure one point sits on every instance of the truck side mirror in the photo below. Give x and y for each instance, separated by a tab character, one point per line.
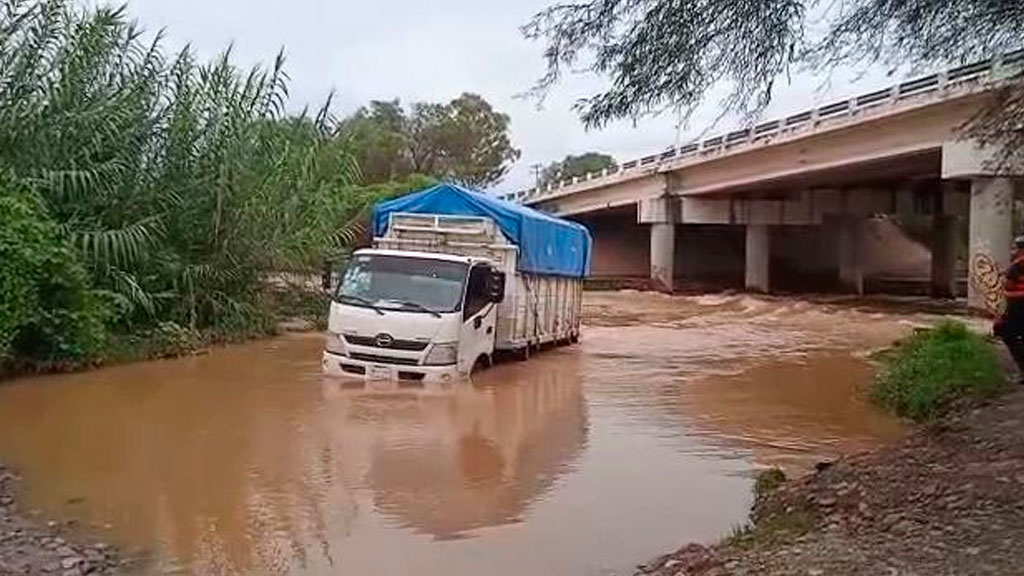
326	276
496	288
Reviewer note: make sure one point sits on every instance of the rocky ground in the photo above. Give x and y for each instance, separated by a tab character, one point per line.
30	546
948	499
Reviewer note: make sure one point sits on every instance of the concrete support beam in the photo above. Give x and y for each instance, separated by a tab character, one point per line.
969	159
989	239
851	269
944	248
801	208
663	244
758	255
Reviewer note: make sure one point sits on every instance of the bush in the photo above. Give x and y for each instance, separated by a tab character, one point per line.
49	314
928	372
768	481
165	340
293	301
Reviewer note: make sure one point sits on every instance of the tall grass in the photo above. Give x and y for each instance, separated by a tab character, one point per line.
929	372
139	188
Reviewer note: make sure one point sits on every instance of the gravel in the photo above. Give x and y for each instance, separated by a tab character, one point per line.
30	547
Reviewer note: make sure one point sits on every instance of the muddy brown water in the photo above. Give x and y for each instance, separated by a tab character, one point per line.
585	460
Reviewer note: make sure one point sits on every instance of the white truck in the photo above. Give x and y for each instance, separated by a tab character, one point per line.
455	277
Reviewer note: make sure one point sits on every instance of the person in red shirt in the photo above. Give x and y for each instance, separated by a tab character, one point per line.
1010	326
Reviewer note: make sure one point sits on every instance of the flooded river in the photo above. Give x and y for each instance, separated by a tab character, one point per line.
583	461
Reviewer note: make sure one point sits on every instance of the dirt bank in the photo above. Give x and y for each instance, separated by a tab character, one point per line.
947	499
31	546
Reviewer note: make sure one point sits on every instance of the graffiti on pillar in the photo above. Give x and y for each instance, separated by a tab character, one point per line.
986	277
660	278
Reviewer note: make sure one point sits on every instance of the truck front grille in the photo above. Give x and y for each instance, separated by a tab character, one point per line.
383	359
371	341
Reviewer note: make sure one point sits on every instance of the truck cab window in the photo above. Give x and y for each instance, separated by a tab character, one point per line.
402	283
476	291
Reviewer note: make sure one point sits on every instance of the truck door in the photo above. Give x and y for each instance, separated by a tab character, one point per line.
478	319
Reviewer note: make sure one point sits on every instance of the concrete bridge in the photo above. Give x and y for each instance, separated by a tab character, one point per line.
878	188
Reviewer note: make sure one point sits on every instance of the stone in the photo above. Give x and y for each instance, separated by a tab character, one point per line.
64	551
827	502
72	572
891	518
815	572
70	562
904	526
51	566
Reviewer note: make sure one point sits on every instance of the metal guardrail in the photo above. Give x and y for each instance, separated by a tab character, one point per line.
978	72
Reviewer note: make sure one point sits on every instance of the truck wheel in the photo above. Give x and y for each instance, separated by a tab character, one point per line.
482	363
574	338
522	354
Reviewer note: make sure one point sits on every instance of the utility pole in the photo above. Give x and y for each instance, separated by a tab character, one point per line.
537	169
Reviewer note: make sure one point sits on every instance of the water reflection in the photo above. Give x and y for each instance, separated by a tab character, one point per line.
465	457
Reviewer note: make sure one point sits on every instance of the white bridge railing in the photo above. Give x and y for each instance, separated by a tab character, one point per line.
938	83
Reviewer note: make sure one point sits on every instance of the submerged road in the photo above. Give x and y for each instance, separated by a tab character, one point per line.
585	460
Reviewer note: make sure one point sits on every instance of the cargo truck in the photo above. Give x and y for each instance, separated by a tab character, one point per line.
454	278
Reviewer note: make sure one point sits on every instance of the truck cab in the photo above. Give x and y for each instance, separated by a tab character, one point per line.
408	315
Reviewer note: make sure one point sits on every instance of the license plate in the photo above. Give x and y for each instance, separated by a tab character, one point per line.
379	373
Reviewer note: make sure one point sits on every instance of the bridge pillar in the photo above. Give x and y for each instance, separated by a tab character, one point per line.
663	244
757	275
989	240
944	244
660	213
851	269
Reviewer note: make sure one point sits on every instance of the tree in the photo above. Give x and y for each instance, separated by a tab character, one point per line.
573	166
465	140
376	138
474	142
662	54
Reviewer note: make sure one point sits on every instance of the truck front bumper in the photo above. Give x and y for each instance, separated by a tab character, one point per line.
336	365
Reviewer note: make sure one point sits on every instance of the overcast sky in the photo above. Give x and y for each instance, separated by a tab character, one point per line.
434	50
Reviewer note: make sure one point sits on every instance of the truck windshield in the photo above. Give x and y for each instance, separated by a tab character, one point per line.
401	283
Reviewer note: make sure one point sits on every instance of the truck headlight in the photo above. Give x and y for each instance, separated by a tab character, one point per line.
335	344
442	355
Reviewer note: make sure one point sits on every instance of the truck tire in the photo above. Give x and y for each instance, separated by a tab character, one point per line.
482	363
522	354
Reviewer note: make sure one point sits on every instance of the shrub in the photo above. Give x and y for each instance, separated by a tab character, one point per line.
929	371
164	340
768	481
294	301
49	314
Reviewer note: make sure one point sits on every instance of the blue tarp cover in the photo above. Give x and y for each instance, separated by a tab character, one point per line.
547	245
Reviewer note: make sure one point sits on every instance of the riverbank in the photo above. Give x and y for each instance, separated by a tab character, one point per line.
284	307
31	546
946	499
